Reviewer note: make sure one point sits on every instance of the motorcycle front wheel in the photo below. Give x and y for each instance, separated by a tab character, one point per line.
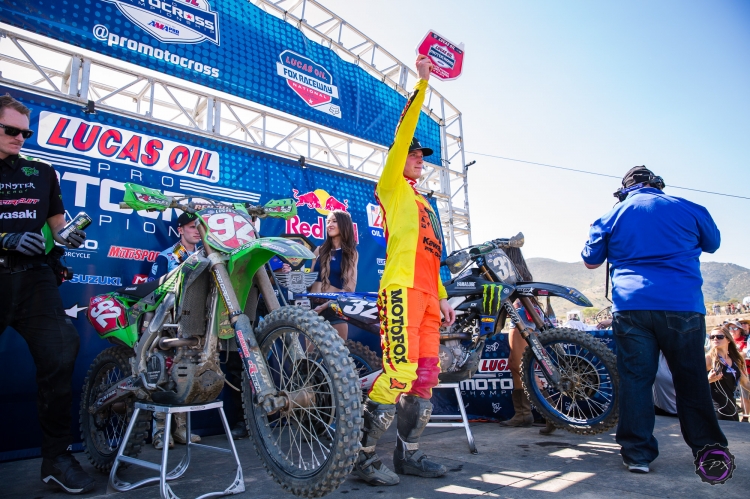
311	447
102	433
586	402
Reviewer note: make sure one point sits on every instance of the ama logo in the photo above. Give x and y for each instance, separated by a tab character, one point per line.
311	81
322	202
375	221
177	21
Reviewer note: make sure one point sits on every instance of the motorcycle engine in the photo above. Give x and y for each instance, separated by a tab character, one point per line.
452	356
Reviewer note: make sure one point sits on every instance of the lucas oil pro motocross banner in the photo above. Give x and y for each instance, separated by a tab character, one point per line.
231	46
94	155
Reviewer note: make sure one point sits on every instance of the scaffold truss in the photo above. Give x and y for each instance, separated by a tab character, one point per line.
64	71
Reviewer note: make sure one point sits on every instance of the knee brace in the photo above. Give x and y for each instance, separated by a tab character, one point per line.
413	415
378	418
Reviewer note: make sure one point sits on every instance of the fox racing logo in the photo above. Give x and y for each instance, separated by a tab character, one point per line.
397	385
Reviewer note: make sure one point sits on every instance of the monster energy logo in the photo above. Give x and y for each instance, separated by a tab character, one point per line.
491	298
29	171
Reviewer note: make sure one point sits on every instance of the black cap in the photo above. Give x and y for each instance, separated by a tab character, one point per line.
185	219
636	175
415	145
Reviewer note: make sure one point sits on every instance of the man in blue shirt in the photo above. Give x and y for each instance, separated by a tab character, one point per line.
653	242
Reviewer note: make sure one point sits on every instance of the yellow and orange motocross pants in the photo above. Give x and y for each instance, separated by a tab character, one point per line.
410	338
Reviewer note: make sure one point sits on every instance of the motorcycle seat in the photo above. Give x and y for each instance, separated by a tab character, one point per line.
141	290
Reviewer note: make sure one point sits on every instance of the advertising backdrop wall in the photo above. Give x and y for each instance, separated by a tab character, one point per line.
94	156
231	46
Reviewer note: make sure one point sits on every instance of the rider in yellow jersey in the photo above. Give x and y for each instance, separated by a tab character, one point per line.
411	300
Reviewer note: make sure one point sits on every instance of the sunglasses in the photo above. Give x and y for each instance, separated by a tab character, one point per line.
717	336
13	131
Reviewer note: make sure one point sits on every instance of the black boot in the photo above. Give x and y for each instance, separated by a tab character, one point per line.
413	416
378	417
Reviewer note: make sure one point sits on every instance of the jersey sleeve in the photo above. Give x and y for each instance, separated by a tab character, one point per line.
55	196
442	293
393	171
159	268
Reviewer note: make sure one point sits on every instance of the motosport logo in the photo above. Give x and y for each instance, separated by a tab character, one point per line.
97	140
175	21
132	254
311	81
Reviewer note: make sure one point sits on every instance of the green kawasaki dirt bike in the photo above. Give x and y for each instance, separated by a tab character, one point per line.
304	409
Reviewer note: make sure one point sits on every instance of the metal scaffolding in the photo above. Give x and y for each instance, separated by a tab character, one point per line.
64	72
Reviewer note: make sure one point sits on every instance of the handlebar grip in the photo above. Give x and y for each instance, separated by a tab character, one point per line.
124	205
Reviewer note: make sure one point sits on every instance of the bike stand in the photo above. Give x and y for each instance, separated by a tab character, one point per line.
464	420
117	485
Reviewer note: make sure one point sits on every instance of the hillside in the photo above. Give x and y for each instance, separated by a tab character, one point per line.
721	281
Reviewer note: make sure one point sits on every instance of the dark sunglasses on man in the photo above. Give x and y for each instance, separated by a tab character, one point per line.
13	131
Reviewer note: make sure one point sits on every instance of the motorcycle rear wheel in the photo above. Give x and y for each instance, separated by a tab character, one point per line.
102	432
366	361
309	450
588	402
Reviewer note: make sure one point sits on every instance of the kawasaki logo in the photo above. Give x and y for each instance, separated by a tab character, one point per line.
491	299
29	171
19	214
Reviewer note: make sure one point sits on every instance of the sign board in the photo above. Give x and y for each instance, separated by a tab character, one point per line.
231	46
447	57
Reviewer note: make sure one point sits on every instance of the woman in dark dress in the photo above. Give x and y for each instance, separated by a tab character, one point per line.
336	265
726	370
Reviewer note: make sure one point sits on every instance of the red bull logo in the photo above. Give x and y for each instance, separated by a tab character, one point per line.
320	200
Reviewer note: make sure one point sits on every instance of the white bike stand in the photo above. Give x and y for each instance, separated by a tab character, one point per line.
464	423
115	484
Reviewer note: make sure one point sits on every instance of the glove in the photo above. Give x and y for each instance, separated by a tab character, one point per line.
27	243
76	238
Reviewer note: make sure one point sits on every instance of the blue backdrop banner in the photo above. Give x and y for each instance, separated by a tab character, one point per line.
94	156
231	46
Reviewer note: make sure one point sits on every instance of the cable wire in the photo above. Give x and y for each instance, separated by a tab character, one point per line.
601	174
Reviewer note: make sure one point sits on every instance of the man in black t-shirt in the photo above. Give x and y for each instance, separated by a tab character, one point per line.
29	300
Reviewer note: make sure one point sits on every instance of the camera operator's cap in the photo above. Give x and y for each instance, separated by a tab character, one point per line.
426	151
185	219
636	175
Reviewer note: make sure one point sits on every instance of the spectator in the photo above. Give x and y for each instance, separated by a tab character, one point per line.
665	400
653	242
735	328
522	415
716	309
336	264
726	369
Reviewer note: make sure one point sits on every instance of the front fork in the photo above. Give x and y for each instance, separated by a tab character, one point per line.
247	345
550	372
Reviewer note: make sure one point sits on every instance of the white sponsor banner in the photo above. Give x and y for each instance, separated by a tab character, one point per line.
98	140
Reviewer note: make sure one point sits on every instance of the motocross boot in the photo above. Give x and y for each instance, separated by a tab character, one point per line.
522	407
413	415
180	429
548	429
157	437
378	417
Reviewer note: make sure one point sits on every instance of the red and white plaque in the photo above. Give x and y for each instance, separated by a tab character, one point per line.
447	57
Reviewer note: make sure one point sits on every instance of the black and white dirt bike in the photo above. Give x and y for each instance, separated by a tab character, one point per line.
570	376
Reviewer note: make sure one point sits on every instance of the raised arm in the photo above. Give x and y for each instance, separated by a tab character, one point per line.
393	171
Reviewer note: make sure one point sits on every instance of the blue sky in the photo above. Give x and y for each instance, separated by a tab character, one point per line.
592	85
